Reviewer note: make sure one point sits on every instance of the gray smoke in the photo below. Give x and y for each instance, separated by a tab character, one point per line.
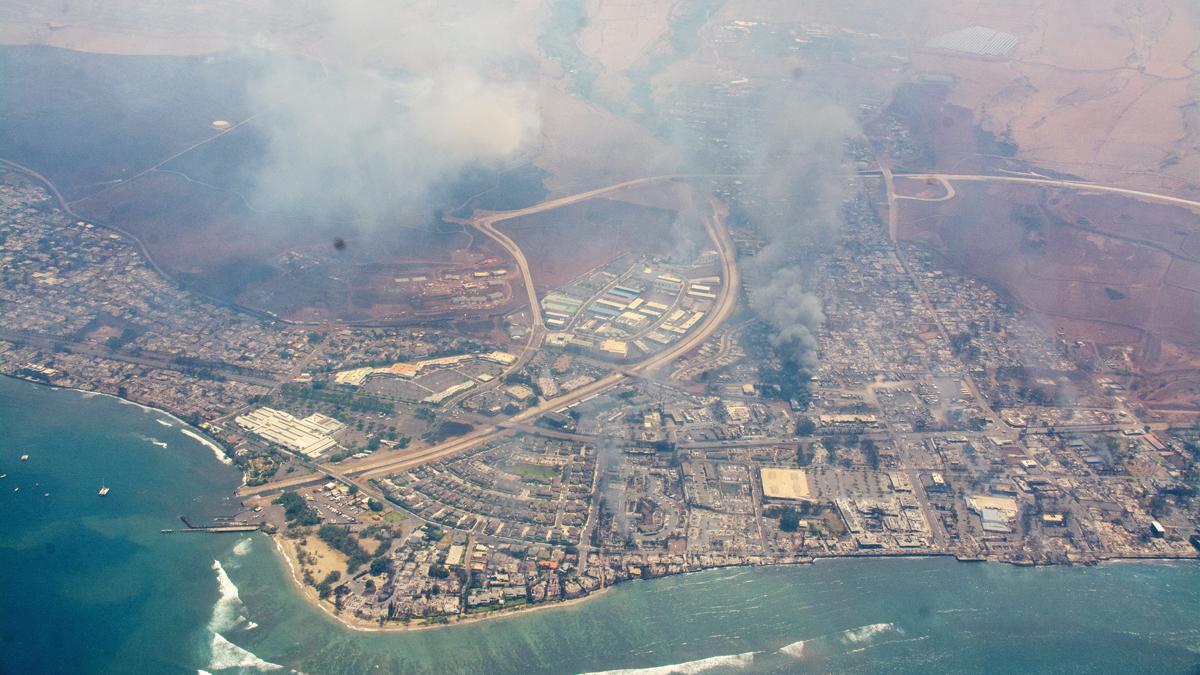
612	485
405	97
795	202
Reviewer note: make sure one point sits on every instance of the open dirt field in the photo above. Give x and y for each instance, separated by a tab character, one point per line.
1107	269
566	242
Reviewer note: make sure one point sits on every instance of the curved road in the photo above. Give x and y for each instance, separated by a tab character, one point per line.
374	467
379	466
946	179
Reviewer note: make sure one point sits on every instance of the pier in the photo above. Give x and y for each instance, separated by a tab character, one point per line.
210	528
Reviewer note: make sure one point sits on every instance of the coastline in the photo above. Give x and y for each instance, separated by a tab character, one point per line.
361	626
220	452
358	625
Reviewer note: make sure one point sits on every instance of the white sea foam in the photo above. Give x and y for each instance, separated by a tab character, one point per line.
688	667
220	454
794	650
226	655
226	612
864	633
243	547
165	423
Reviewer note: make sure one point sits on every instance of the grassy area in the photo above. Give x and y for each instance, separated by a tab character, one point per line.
533	471
393	517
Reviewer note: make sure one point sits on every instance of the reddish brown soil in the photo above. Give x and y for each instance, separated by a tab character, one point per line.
563	243
211	242
1107	269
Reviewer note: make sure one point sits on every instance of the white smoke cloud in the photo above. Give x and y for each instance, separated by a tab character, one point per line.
405	96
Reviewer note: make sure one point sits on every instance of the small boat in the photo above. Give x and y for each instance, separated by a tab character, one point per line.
103	489
24	458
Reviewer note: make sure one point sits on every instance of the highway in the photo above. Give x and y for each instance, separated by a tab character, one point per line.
726	301
386	464
946	179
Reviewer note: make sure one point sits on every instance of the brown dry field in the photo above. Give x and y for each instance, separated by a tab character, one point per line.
564	243
209	241
1107	269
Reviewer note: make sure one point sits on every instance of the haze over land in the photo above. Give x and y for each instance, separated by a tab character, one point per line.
496	305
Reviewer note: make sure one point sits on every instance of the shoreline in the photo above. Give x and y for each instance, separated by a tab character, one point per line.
186	428
358	625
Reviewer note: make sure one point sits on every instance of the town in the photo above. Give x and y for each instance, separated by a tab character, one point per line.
623	428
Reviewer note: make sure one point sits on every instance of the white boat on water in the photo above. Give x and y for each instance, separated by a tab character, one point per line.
103	489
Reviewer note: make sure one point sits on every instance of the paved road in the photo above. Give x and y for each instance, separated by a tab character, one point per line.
1085	186
381	465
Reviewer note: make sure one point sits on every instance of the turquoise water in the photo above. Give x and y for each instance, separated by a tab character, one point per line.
90	585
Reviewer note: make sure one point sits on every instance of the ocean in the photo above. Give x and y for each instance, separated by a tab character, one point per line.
89	584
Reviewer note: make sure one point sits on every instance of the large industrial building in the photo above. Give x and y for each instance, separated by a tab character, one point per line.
310	436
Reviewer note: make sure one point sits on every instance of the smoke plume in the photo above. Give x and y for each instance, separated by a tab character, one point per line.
795	203
404	98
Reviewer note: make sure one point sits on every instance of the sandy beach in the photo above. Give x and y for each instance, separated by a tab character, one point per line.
288	554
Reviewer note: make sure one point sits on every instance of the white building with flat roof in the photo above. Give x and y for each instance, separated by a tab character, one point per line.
310	436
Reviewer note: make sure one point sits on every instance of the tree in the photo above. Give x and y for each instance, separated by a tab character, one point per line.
804	455
379	566
296	510
870	453
375	505
805	426
789	520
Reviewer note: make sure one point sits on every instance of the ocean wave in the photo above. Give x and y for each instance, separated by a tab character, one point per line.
165	423
226	612
688	667
794	650
864	633
216	449
152	440
226	655
243	547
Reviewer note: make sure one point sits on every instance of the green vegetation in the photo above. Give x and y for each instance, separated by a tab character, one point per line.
341	539
379	566
533	471
805	426
296	510
789	520
326	585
